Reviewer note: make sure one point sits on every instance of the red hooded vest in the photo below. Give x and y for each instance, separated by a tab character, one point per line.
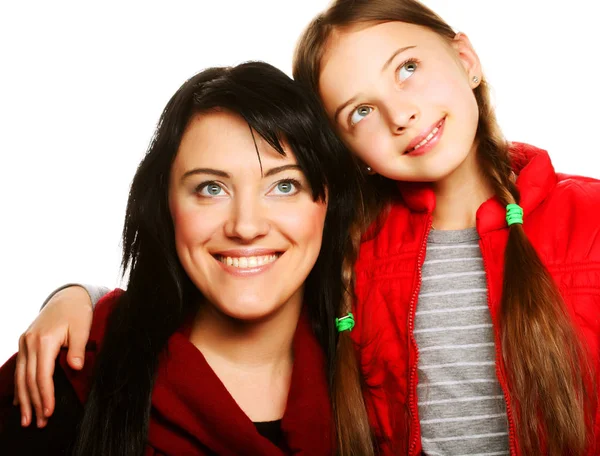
562	221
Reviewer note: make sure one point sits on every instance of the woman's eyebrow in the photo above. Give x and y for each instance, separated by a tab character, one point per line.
220	173
280	169
211	171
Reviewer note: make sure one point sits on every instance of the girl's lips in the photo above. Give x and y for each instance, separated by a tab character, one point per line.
424	143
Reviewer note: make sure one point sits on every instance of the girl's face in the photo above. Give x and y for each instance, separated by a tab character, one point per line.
247	238
401	97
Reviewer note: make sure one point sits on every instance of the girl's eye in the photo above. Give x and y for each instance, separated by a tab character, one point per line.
407	70
359	114
286	187
210	189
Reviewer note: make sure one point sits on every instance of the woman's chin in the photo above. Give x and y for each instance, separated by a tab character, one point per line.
250	312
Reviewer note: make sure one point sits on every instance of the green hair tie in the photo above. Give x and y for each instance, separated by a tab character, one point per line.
514	214
345	323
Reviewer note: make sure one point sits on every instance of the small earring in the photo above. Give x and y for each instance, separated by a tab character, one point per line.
369	169
475	80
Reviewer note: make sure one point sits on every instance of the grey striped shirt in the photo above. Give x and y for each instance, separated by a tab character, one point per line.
461	405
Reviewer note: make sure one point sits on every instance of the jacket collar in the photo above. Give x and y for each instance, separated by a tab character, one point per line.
194	414
536	178
194	405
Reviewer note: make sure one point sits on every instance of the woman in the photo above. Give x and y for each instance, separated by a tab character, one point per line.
225	341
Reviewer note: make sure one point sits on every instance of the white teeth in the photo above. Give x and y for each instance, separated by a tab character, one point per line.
247	262
428	138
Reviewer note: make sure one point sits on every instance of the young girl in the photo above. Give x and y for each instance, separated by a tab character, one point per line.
478	283
225	340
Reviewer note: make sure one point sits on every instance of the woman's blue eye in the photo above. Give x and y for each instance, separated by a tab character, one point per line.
407	70
360	113
285	188
211	190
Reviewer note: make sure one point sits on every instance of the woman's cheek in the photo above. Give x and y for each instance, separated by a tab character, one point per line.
303	222
193	223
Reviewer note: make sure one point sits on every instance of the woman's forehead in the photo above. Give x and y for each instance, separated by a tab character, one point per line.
224	139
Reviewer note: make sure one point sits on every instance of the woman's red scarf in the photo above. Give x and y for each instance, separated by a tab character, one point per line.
193	414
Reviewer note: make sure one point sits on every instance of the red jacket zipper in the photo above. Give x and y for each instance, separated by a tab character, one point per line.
411	326
499	370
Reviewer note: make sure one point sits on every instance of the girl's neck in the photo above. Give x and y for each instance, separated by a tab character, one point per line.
459	195
254	359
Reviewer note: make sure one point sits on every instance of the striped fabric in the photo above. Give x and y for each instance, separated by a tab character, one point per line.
461	406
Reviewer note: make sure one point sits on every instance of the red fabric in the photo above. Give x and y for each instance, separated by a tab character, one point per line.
7	389
193	413
561	219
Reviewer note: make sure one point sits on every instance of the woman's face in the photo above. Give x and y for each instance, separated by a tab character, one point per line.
401	97
247	238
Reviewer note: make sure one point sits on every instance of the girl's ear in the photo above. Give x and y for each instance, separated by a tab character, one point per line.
468	58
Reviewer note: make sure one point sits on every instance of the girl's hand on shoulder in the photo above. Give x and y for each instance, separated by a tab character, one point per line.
65	321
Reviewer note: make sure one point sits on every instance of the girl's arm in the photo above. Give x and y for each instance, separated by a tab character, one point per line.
65	321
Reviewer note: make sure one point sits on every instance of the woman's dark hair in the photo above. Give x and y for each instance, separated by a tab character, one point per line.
160	296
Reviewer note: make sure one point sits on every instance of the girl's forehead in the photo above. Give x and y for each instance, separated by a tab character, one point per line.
362	37
356	56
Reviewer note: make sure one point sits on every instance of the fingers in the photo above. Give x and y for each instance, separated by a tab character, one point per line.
62	322
21	385
31	380
47	354
78	338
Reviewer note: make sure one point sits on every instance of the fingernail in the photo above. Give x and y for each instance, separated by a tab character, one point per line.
23	421
78	362
40	422
46	412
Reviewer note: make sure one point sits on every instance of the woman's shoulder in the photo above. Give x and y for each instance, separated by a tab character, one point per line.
57	436
81	380
102	311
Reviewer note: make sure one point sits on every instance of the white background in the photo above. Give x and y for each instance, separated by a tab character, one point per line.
82	85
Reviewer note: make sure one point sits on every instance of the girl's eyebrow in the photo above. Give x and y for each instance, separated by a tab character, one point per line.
398	51
342	107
